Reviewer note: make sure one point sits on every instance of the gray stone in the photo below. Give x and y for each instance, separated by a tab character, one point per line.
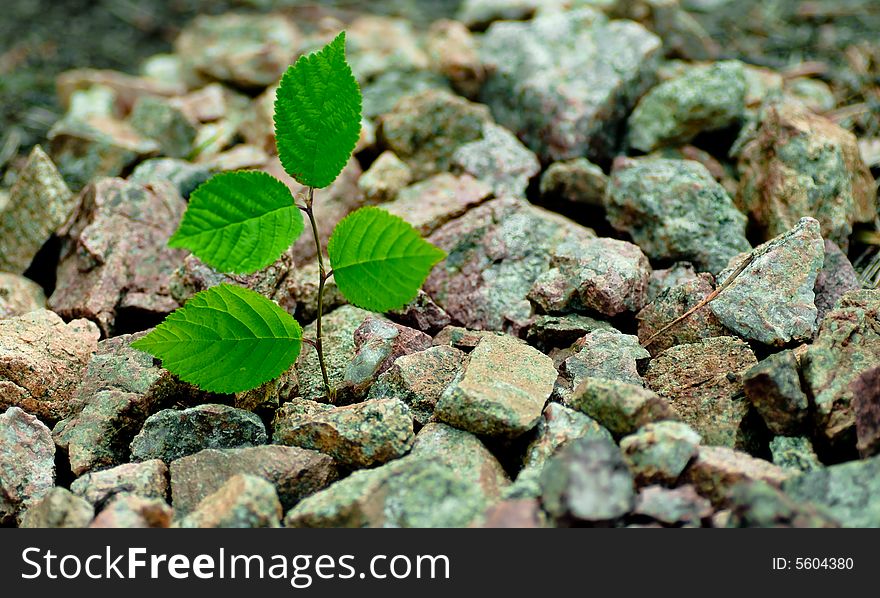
773	386
185	176
620	407
171	434
675	210
500	159
757	504
60	508
379	44
587	480
704	98
244	501
577	181
360	435
836	278
387	175
382	93
564	82
551	331
167	124
501	391
27	463
433	202
295	473
601	275
419	379
148	480
703	384
39	202
41	361
606	355
130	511
772	300
794	452
717	469
659	452
678	506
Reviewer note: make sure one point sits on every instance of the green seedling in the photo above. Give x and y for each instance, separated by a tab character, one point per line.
230	339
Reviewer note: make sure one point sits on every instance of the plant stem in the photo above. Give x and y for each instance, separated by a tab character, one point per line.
319	345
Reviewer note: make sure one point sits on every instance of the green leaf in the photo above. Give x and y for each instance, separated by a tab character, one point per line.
379	260
226	339
239	222
318	115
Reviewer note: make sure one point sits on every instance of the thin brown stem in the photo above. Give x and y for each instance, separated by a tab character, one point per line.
319	344
727	282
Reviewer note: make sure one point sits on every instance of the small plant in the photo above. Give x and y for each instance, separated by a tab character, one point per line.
229	339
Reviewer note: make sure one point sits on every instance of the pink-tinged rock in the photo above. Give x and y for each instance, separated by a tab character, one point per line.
27	463
836	278
717	469
115	252
518	513
42	360
866	405
19	295
133	511
433	202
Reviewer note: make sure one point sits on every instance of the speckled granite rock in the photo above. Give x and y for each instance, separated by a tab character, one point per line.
19	295
772	300
563	82
704	98
496	252
795	164
607	355
419	379
674	209
795	453
577	181
431	203
587	480
602	275
680	506
41	361
758	504
620	407
703	384
171	434
501	391
378	44
717	469
132	511
658	452
39	202
773	386
159	119
866	405
148	479
836	278
387	175
848	345
244	501
27	463
295	473
453	51
500	159
60	508
115	253
360	435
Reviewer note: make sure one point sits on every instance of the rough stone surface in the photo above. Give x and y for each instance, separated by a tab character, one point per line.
427	128
115	254
41	361
587	480
601	275
19	295
379	44
704	98
382	94
465	454
360	435
433	202
171	434
674	507
717	469
453	52
757	504
795	164
659	452
412	492
27	463
673	302
547	332
60	508
516	513
148	479
39	202
295	473
378	343
500	159
564	82
773	386
772	300
577	181
606	355
419	379
243	50
794	452
866	405
501	391
558	426
836	278
387	175
668	278
422	314
703	384
495	253
186	176
850	492
160	120
675	210
338	330
244	501
848	345
133	511
620	407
